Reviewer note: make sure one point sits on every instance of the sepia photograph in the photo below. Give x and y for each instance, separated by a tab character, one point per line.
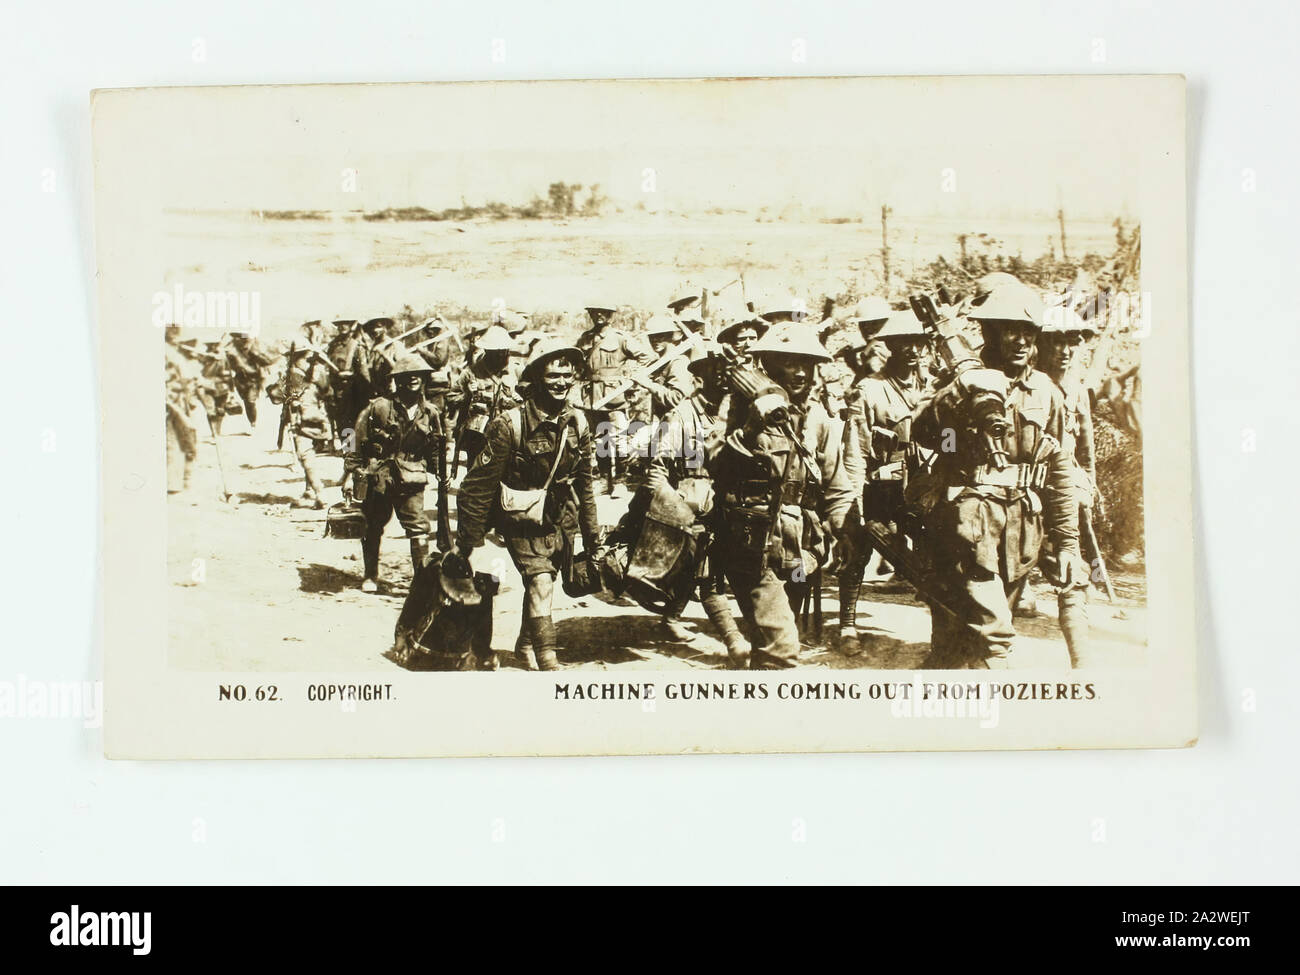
605	378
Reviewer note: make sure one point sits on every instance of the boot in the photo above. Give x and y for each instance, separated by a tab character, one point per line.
676	631
542	629
419	554
850	586
1072	610
524	648
370	561
719	613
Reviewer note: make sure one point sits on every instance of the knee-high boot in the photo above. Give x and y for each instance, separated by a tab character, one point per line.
370	558
850	582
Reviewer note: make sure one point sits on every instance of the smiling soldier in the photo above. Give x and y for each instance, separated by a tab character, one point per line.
532	482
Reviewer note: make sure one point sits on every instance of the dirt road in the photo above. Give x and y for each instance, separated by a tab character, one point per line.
255	585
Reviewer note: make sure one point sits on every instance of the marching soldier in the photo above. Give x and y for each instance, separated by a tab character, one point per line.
480	391
670	383
399	438
353	353
306	386
532	482
1059	342
741	335
782	482
182	438
879	405
248	361
1000	487
609	354
216	387
692	433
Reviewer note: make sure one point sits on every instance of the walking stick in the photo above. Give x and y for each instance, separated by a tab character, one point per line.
221	467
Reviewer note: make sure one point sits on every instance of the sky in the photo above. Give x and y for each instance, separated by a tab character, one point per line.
838	147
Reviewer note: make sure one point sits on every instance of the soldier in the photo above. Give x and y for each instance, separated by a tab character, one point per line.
781	481
741	335
306	386
435	348
353	353
879	405
248	360
686	302
532	482
182	438
1063	335
609	354
398	440
216	385
480	391
692	432
998	487
670	383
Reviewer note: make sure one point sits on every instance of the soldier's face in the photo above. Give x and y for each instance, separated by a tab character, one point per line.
906	353
659	343
793	373
600	318
494	360
557	380
744	339
1064	349
409	385
1017	341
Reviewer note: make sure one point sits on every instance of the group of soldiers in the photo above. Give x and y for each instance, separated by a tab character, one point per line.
948	443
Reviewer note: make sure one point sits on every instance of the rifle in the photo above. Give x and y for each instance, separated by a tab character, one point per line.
444	513
221	467
642	376
1089	537
410	331
284	407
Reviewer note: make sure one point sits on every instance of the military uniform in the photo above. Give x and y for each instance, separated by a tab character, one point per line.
182	438
397	446
529	449
307	393
523	463
610	354
693	431
248	361
986	527
1077	442
774	514
479	393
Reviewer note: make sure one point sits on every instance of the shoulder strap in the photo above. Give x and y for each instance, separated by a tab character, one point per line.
515	420
560	438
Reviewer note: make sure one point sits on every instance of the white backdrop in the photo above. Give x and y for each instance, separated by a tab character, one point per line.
1221	812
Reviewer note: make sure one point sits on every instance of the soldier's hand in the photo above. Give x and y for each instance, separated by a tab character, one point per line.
656	478
1066	569
346	487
